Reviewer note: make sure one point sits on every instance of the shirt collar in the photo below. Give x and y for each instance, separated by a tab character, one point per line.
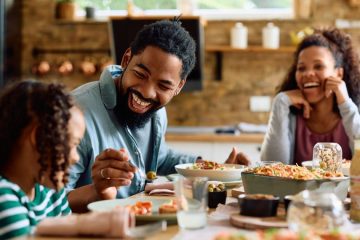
108	86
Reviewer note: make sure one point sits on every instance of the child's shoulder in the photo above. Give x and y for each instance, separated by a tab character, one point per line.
10	191
45	193
6	185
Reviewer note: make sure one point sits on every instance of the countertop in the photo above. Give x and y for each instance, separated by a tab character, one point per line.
212	137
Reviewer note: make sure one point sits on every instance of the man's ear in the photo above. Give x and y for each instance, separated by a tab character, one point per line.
126	58
180	86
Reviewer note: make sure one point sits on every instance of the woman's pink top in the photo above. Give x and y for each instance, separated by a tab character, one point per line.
305	140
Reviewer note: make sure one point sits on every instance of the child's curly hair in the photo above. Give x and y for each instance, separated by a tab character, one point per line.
46	105
340	45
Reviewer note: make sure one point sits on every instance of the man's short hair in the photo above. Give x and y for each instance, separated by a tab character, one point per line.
172	38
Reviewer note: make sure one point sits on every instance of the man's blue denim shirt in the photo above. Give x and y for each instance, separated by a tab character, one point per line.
97	100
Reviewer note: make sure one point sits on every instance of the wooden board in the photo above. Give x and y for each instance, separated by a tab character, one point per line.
258	222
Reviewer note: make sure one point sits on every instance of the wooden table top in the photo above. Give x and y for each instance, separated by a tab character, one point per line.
170	232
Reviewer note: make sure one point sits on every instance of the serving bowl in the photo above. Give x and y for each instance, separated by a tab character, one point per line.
258	205
280	186
232	172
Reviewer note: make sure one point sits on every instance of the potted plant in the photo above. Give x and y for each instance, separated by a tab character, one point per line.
65	9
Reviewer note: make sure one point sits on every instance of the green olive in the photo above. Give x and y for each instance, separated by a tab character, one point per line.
151	175
212	185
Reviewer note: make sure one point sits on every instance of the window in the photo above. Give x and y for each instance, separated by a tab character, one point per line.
210	9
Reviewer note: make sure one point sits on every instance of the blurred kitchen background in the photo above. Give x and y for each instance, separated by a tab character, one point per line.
234	82
44	40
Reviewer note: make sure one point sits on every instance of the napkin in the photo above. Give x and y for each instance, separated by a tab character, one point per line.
114	223
160	189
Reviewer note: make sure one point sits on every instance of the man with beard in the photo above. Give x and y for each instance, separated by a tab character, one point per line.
126	119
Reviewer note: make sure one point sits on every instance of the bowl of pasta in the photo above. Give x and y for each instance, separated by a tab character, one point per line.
214	171
281	180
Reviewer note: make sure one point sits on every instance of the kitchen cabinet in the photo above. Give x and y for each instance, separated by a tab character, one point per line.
216	147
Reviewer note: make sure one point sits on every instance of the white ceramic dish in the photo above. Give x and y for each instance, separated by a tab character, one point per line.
232	173
228	184
309	164
345	166
108	205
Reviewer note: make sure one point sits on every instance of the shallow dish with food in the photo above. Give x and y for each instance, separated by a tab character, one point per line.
258	205
108	205
280	186
231	172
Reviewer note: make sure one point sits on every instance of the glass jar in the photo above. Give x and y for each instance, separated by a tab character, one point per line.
316	211
328	156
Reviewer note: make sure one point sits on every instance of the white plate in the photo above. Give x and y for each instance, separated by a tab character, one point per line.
108	205
345	166
228	184
233	173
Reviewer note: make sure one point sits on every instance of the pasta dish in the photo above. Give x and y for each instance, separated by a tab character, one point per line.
293	172
207	165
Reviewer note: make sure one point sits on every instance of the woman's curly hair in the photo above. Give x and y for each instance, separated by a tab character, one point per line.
46	105
339	44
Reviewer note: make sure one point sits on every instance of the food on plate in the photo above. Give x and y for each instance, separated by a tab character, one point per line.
293	172
216	187
283	234
259	196
151	175
168	208
208	165
141	208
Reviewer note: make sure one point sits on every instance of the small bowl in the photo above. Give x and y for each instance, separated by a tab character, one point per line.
214	198
287	201
258	205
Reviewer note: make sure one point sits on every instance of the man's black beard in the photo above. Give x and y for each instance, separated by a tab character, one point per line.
126	116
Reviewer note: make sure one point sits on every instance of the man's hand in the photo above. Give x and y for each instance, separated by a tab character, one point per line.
237	158
297	100
111	170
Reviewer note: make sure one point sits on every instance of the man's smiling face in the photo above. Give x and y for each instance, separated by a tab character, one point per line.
149	81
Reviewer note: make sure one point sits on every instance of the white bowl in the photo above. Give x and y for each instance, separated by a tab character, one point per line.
309	164
345	166
232	173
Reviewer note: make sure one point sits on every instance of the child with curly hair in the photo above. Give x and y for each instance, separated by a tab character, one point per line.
318	100
40	128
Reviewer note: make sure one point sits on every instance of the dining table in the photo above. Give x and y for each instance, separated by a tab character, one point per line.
218	222
173	231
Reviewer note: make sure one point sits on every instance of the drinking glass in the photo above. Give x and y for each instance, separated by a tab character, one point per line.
191	195
316	211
